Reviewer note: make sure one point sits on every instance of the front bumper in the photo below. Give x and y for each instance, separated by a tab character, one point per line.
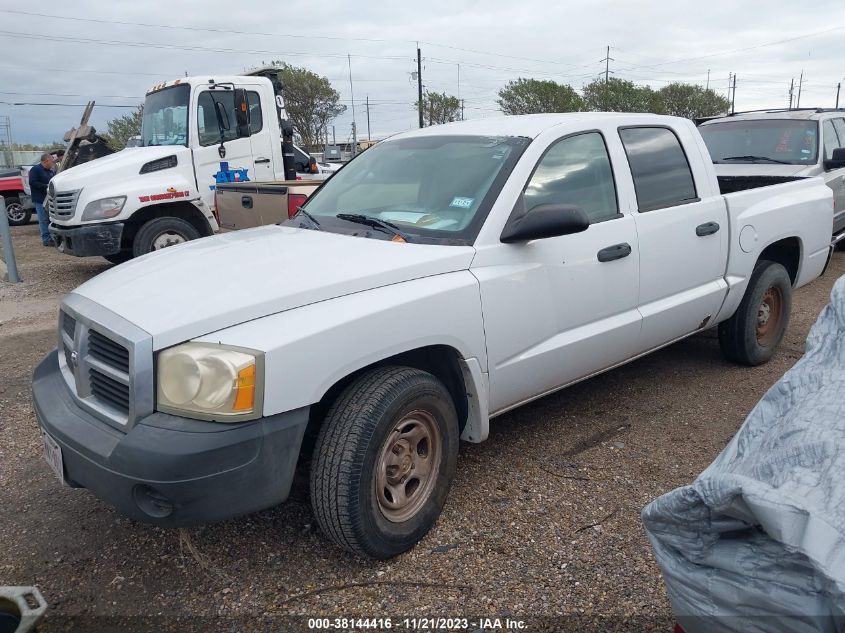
169	470
88	240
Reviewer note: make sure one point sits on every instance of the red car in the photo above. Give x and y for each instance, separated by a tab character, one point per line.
14	188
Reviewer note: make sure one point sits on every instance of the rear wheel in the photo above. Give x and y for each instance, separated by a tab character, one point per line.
160	233
384	460
752	334
15	212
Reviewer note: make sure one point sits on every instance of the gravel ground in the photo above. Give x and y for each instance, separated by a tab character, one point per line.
542	521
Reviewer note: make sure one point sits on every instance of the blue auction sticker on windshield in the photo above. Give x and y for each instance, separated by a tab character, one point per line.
461	203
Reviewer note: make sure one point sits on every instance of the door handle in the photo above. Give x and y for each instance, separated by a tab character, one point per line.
708	228
617	251
246	202
262	160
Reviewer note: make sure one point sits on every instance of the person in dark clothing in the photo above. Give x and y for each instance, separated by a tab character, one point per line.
39	178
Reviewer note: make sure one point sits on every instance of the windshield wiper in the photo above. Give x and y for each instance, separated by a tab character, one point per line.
753	158
384	225
313	220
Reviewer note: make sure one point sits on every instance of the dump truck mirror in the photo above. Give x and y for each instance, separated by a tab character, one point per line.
242	112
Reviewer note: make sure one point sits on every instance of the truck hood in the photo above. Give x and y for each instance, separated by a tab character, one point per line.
213	283
764	169
116	167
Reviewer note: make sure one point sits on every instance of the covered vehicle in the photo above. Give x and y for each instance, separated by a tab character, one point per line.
757	542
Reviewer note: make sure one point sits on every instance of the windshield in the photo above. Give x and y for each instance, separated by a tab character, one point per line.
165	119
779	140
433	188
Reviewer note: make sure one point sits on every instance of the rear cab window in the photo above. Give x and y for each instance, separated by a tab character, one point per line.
660	169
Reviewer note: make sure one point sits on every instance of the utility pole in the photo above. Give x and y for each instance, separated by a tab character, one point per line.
838	86
791	89
733	97
354	140
800	84
419	86
334	136
462	107
352	95
708	80
368	118
607	61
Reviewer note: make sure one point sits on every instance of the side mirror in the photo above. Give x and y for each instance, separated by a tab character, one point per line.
242	112
544	220
837	161
312	166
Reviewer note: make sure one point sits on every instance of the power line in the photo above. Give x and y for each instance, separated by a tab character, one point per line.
66	105
204	49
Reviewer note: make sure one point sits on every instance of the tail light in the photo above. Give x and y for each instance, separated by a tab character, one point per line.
313	166
295	200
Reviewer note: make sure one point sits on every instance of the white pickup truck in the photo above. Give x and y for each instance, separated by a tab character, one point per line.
441	278
161	192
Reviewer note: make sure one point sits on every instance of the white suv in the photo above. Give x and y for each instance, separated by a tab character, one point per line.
781	145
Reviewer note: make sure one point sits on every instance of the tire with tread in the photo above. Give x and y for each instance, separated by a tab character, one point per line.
353	434
738	337
154	228
15	203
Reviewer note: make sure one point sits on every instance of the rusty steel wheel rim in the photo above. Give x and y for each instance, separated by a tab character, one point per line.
769	316
407	466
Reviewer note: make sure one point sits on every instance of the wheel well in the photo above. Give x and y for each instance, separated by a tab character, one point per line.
440	360
787	253
183	210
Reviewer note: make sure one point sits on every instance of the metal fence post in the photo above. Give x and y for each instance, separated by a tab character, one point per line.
11	265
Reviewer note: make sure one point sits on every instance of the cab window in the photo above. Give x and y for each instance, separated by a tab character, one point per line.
575	170
831	139
208	129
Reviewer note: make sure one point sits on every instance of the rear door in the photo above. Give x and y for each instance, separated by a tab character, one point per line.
833	137
237	164
682	227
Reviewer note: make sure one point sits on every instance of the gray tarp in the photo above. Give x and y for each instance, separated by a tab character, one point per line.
757	542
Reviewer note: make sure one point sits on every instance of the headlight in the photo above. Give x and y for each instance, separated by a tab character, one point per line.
103	208
211	382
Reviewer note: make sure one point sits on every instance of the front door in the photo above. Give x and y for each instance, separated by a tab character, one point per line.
683	238
559	309
236	164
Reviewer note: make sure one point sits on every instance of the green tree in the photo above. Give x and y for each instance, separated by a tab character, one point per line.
530	96
439	107
619	95
690	101
122	128
311	102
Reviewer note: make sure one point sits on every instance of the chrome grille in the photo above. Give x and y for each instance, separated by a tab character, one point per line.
106	362
61	205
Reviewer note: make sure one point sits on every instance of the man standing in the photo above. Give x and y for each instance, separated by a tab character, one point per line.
39	178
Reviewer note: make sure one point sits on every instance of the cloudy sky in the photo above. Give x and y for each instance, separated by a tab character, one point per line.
67	53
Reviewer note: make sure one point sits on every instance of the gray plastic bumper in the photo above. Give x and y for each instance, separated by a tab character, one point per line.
169	470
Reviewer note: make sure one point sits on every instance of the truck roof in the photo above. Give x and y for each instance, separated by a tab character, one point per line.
532	125
201	80
804	114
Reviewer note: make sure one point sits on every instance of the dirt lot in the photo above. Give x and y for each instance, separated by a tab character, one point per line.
543	518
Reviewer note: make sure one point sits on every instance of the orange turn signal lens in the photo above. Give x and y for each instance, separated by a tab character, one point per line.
245	390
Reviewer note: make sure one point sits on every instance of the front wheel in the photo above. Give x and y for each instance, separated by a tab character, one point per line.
15	212
384	460
160	233
752	334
